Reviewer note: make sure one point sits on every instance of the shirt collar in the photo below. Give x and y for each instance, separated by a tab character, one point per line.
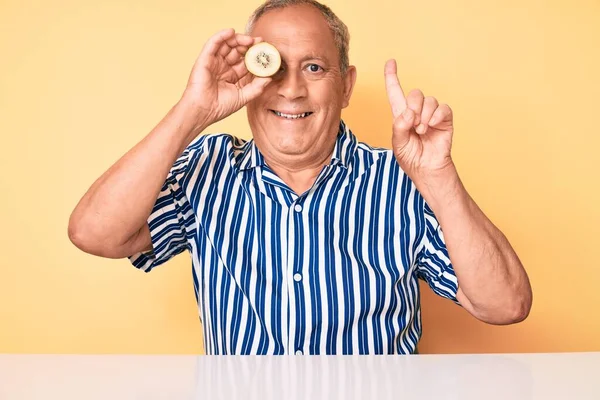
345	145
250	156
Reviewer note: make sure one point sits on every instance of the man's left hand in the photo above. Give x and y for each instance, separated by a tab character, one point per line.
422	130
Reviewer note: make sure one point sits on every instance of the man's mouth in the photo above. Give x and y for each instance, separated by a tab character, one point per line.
291	116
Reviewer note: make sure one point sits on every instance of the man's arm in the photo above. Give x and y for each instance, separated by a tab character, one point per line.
493	285
111	218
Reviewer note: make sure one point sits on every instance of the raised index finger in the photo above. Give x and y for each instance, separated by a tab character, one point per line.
393	88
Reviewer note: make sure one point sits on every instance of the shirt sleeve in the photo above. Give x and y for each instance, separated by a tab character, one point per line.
172	222
433	262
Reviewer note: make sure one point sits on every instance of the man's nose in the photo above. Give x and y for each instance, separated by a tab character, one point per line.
292	84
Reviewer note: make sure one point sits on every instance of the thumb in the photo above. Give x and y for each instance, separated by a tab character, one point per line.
254	88
402	126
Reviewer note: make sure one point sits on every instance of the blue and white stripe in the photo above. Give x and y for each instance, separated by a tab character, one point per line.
332	271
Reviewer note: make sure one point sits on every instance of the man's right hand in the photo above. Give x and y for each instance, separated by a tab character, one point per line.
220	83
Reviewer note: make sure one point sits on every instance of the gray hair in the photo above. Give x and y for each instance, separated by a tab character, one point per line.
341	36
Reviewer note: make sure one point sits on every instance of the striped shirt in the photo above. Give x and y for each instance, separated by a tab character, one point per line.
331	271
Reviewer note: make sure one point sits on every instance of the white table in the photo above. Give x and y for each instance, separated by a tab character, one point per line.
461	377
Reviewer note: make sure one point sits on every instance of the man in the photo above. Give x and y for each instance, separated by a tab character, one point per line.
302	240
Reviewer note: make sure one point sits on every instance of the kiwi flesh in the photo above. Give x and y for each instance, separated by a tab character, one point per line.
262	59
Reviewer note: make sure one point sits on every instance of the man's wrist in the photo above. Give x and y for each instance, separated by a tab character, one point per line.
193	120
441	188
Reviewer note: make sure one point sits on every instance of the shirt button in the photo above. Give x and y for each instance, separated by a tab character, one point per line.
297	208
299	352
297	277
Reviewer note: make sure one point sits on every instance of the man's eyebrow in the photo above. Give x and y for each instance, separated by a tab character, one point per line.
314	56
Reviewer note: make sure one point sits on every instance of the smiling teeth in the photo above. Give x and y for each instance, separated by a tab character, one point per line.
291	116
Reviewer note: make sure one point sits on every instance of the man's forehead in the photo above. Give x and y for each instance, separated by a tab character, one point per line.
300	48
294	30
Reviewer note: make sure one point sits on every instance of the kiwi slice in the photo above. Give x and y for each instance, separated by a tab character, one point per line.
262	59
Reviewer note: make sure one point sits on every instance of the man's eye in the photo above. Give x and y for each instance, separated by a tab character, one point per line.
314	68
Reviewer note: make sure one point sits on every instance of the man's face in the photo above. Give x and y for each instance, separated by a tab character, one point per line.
308	87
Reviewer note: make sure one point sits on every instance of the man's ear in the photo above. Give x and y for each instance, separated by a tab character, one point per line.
349	81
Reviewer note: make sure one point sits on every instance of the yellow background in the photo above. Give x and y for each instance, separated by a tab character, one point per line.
82	81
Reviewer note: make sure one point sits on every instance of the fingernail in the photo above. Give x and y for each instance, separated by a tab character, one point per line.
421	128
